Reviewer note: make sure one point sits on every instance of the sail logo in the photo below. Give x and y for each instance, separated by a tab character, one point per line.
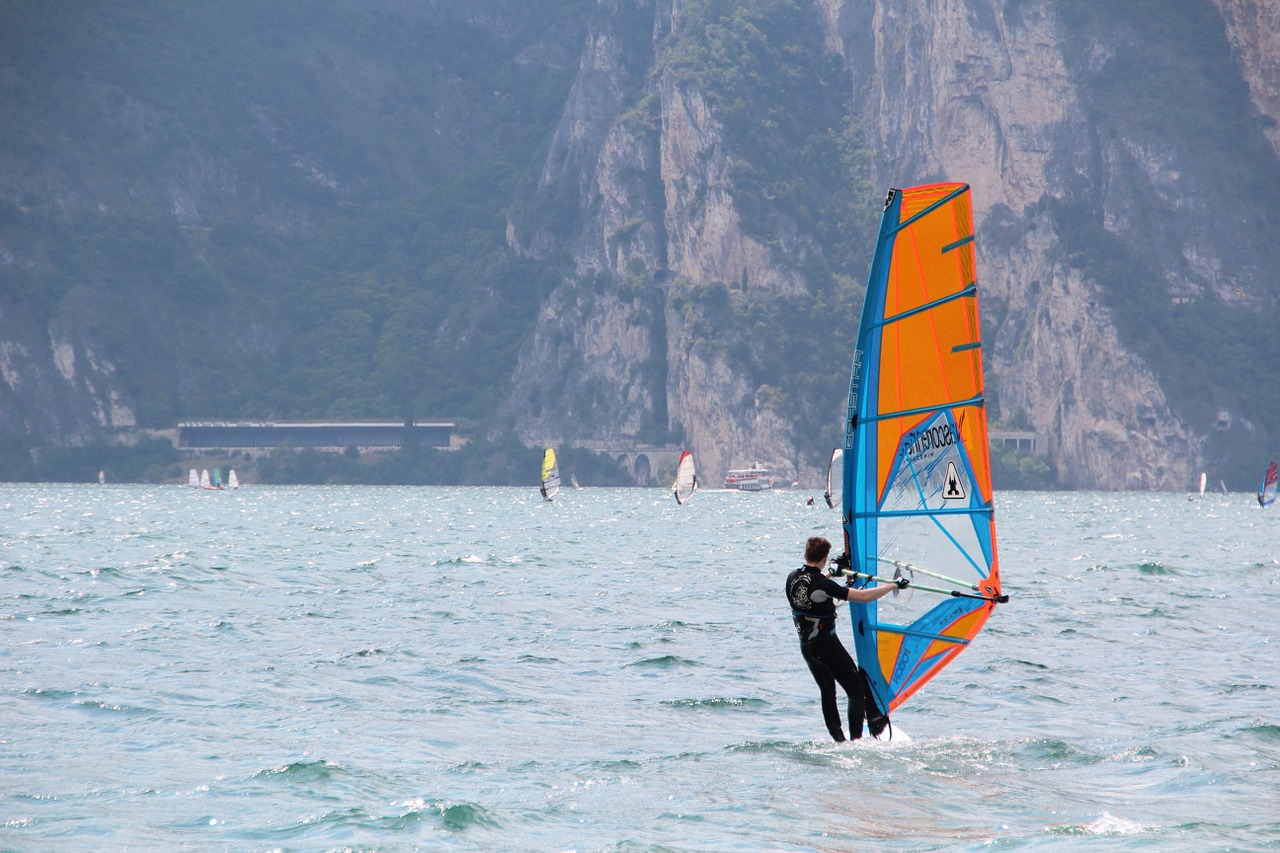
919	442
953	486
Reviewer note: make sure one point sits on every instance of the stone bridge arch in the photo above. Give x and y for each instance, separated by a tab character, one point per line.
647	465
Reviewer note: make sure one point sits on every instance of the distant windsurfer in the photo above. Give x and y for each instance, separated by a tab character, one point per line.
809	502
813	596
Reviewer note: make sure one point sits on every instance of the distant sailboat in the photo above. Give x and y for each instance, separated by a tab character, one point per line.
573	478
1270	486
102	478
193	479
686	482
1204	479
835	474
232	481
550	475
217	478
205	481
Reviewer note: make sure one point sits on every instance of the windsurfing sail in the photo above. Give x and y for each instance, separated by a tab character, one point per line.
205	482
835	472
1204	479
102	478
193	479
217	478
1270	487
550	475
233	482
686	482
917	469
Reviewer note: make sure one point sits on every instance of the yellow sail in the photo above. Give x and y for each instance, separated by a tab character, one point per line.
550	475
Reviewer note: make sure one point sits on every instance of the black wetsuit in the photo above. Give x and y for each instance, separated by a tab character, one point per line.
813	598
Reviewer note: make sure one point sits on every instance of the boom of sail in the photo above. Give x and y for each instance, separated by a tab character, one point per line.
686	482
917	497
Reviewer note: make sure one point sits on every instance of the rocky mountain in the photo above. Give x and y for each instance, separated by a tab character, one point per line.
629	223
1079	191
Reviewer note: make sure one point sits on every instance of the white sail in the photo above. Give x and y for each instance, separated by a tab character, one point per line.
233	482
193	479
686	482
1204	479
205	482
835	477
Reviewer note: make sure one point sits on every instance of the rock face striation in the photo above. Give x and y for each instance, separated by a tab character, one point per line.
1011	98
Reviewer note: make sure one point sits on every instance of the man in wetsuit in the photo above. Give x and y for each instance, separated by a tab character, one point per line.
813	598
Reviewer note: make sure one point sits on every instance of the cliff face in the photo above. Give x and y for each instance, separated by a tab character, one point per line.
1253	27
59	384
1006	96
996	94
659	223
684	246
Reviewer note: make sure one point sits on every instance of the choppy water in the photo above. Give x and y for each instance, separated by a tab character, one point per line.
473	669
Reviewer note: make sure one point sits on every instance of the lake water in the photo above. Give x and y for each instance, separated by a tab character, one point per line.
473	669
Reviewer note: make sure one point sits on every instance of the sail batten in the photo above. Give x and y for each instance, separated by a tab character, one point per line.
971	290
909	513
904	631
917	470
920	214
977	401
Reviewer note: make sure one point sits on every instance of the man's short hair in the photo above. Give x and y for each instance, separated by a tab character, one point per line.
816	549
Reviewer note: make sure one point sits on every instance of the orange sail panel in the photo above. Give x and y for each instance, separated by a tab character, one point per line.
917	498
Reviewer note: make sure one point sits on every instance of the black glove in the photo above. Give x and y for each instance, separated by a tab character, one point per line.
903	583
842	564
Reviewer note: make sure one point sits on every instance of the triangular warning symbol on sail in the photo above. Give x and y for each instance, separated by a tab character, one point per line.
953	488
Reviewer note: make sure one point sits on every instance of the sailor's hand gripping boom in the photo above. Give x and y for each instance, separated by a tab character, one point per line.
840	567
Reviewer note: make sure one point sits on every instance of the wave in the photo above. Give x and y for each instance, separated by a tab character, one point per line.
98	706
455	817
1107	824
302	771
734	703
665	662
1268	733
48	693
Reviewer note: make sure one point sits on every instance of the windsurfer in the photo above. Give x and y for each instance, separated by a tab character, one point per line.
813	596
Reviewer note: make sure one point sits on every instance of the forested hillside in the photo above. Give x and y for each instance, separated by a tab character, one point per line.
285	210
